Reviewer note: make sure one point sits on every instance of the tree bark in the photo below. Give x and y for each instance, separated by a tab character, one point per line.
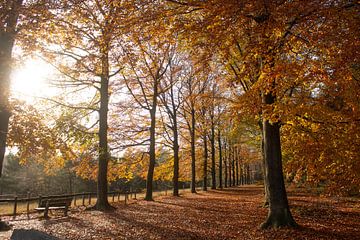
152	153
220	161
102	202
233	167
266	188
248	176
242	182
212	142
7	40
236	159
230	163
176	154
193	156
279	213
225	164
205	162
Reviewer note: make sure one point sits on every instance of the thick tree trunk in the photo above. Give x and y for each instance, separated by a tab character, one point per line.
7	38
213	164
205	162
4	125
220	161
193	156
266	188
102	203
279	212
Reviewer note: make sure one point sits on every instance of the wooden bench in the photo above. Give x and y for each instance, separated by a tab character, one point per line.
54	203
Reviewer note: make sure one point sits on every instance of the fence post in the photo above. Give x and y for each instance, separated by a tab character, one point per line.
15	206
28	204
39	200
74	200
125	197
83	199
113	197
135	195
89	198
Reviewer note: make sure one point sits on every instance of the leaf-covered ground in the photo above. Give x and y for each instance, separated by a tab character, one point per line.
232	213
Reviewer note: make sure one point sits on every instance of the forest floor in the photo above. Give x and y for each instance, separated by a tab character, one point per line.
233	213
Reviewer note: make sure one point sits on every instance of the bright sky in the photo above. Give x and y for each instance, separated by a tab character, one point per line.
31	80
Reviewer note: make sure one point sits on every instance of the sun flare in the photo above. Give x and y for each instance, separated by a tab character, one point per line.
31	80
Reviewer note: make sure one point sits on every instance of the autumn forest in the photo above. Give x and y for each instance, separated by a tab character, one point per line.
205	102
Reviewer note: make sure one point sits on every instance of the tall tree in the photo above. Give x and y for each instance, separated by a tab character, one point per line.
147	62
84	47
171	100
193	88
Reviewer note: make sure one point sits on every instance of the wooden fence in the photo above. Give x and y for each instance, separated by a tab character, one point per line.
79	199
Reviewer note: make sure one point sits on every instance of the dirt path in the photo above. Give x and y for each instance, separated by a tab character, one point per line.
227	214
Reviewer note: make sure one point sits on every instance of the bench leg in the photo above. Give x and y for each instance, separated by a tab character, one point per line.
66	210
46	212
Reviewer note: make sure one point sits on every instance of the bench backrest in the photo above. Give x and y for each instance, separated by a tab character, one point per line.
56	202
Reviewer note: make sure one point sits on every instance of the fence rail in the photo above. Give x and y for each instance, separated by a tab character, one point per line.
79	199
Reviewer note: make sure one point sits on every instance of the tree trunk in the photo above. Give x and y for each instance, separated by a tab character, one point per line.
150	175
266	188
7	39
242	175
279	212
225	164
213	168
229	162
233	167
220	161
193	156
176	155
102	203
247	176
205	162
236	158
